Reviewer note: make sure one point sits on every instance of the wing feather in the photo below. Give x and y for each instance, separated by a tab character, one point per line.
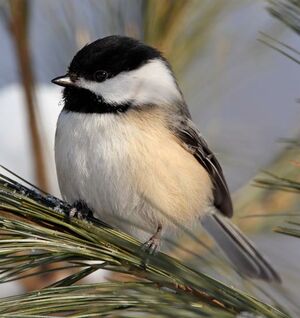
191	138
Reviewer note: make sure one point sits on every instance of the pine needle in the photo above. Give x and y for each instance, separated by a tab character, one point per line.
35	231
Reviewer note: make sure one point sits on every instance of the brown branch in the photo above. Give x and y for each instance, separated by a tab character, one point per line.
18	26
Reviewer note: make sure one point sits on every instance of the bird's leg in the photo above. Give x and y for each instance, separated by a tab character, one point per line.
80	210
152	245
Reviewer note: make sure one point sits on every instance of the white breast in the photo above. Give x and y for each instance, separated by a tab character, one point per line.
91	154
129	169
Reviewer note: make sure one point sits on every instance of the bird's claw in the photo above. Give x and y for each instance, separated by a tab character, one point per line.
151	247
80	210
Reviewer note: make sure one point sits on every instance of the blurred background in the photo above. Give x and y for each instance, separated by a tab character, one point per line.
243	96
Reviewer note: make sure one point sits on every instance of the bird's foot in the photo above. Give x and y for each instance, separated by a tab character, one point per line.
80	210
151	247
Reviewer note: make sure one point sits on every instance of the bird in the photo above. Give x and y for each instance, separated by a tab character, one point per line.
126	149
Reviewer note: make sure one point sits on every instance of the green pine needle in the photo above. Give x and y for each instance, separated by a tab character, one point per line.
42	235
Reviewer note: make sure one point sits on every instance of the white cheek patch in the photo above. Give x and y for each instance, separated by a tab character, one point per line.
151	83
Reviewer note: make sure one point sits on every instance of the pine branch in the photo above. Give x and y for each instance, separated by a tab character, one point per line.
274	182
282	48
35	231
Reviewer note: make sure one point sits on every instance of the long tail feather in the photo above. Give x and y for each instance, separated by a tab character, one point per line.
238	248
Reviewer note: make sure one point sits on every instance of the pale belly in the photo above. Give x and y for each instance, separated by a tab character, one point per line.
131	172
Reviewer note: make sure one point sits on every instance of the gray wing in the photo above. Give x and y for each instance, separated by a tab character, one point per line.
191	138
236	246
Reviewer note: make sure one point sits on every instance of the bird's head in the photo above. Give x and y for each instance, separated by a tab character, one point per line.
115	73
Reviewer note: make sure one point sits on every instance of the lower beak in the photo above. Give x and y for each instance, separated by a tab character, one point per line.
64	81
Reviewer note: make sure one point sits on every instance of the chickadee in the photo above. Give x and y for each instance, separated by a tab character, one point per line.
126	148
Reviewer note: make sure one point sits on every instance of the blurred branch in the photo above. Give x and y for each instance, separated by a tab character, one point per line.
292	143
268	198
287	11
280	47
279	190
19	28
180	28
291	229
275	182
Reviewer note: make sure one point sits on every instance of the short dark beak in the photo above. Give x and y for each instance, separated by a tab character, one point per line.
64	81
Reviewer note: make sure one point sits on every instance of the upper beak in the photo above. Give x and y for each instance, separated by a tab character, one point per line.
64	81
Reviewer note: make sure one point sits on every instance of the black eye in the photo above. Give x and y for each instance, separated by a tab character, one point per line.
100	76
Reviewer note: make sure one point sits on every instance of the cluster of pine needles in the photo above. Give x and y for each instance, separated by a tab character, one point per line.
35	231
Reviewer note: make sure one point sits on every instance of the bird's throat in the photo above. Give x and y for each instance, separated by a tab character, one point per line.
83	101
